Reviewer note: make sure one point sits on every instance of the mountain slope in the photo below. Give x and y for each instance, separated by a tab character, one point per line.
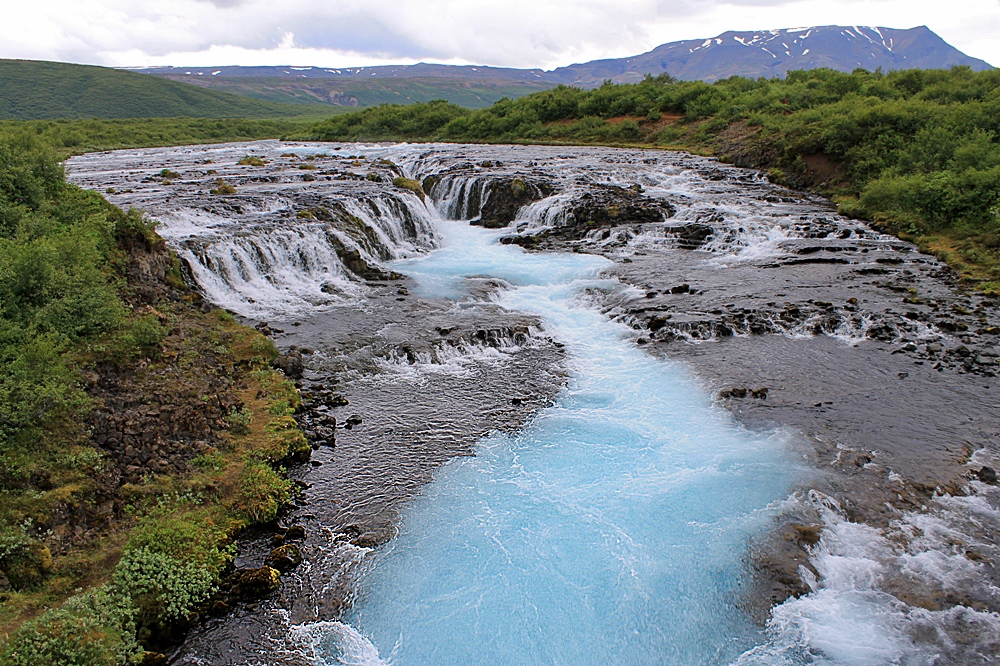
34	90
772	53
473	93
769	53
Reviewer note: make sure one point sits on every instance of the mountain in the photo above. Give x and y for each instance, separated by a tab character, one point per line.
768	53
35	90
772	53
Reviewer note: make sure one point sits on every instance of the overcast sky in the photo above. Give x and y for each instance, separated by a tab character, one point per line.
515	33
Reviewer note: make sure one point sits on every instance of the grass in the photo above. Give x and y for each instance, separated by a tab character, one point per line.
355	92
36	90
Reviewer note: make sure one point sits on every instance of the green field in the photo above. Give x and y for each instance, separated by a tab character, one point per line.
74	137
916	152
34	90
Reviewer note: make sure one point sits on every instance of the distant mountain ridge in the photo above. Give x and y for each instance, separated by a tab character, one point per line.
44	90
766	53
772	53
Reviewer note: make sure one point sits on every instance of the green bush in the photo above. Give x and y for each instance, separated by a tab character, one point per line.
25	561
261	492
240	420
89	630
161	588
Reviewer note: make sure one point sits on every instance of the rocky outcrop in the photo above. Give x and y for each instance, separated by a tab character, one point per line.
610	205
505	197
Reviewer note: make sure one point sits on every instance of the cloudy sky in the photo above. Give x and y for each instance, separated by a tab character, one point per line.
516	33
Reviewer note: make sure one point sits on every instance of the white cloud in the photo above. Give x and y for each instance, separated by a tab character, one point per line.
518	33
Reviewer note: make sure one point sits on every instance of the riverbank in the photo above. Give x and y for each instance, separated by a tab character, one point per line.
143	430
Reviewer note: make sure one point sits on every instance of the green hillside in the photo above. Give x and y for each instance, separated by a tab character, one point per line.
474	94
35	90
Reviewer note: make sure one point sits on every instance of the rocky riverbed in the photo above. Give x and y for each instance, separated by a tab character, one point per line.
868	354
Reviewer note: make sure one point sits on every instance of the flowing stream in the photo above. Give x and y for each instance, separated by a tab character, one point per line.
609	530
615	526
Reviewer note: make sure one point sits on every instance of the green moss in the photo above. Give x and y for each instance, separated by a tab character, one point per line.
222	187
410	184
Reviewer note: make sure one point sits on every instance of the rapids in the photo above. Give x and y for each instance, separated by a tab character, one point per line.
615	522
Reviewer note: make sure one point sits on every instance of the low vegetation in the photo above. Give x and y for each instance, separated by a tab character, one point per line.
75	137
916	152
105	553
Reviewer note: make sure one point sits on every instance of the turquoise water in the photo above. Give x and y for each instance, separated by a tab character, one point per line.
611	530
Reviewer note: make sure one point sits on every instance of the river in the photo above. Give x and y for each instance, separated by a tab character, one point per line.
597	452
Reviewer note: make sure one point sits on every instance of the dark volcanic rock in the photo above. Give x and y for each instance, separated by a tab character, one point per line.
289	363
507	196
610	205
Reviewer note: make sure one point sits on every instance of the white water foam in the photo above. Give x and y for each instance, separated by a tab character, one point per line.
875	597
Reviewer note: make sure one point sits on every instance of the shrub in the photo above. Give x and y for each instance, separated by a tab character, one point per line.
261	492
252	160
286	440
240	420
89	630
25	561
264	347
159	587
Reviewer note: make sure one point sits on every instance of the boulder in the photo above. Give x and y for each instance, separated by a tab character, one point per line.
252	584
284	558
289	363
505	197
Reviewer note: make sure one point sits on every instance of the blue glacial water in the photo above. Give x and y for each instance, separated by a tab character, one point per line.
611	530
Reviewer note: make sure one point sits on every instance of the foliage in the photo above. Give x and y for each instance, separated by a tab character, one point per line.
240	420
261	491
88	630
394	122
160	587
80	136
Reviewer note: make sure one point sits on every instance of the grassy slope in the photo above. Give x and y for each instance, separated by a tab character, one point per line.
328	92
33	90
916	152
74	137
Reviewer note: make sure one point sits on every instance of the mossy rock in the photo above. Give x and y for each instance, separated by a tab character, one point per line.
222	187
252	584
410	184
429	183
26	564
252	160
284	558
